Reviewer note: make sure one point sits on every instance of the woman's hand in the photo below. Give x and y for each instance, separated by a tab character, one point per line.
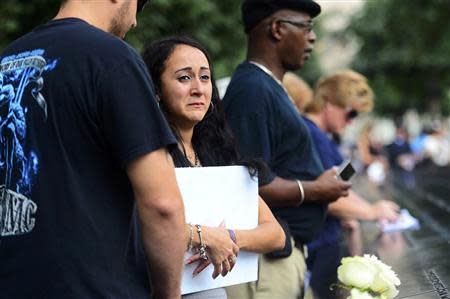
203	264
221	251
385	211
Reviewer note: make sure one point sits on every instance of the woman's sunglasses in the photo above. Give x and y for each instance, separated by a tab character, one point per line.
351	114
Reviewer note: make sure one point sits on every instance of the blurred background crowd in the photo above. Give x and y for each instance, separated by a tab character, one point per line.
401	49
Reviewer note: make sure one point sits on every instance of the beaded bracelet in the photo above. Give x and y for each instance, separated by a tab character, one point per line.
202	247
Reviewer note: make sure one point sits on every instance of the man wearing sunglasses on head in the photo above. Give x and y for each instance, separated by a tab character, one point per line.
87	188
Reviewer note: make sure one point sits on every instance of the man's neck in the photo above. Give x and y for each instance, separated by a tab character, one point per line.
270	63
84	11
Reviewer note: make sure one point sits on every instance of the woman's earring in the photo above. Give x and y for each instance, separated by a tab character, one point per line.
158	100
210	109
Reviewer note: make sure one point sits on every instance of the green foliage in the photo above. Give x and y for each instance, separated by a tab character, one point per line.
20	17
216	24
404	53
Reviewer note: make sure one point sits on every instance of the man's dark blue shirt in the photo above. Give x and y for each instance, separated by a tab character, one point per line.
268	126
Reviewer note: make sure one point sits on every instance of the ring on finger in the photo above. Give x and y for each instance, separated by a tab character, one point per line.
232	259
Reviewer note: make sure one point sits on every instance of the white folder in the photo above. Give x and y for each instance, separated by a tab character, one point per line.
211	195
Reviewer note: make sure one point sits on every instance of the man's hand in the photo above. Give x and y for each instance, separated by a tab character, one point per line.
285	193
327	188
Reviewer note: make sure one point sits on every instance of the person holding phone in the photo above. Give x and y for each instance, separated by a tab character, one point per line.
280	38
338	98
345	171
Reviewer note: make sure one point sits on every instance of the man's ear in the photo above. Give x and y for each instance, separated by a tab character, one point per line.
275	29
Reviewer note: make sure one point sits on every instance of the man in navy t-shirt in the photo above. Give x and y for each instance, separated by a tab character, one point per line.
82	143
267	126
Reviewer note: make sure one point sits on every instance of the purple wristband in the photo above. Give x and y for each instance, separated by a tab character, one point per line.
232	235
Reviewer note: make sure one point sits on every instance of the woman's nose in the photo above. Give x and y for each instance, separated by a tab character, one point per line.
197	86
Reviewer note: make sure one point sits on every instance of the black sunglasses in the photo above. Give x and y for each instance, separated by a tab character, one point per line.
351	114
306	25
140	5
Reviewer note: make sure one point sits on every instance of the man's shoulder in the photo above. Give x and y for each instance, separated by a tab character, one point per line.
72	38
103	51
105	45
251	77
250	85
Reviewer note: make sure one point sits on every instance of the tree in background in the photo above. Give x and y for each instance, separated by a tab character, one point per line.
20	17
216	24
405	53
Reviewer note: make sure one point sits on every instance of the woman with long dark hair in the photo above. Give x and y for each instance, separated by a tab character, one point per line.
186	92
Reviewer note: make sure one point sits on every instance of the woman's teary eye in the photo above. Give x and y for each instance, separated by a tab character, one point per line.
184	78
205	77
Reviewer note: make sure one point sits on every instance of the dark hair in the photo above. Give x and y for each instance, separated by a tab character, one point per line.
212	139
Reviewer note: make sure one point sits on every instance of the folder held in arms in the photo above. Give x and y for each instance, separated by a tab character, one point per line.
211	195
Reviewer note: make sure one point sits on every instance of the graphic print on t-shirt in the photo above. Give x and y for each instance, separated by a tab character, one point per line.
20	84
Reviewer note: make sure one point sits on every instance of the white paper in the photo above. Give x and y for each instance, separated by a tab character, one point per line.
213	194
404	222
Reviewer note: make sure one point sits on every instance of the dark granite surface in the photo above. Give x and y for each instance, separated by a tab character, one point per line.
421	258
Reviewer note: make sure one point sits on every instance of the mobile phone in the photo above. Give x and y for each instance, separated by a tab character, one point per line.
345	171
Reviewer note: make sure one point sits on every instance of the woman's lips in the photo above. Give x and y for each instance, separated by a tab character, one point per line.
196	104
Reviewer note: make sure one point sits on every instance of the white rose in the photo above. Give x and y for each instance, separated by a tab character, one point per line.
369	274
384	287
384	269
385	280
357	272
391	292
357	294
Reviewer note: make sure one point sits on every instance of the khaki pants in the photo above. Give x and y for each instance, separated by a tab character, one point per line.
277	279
